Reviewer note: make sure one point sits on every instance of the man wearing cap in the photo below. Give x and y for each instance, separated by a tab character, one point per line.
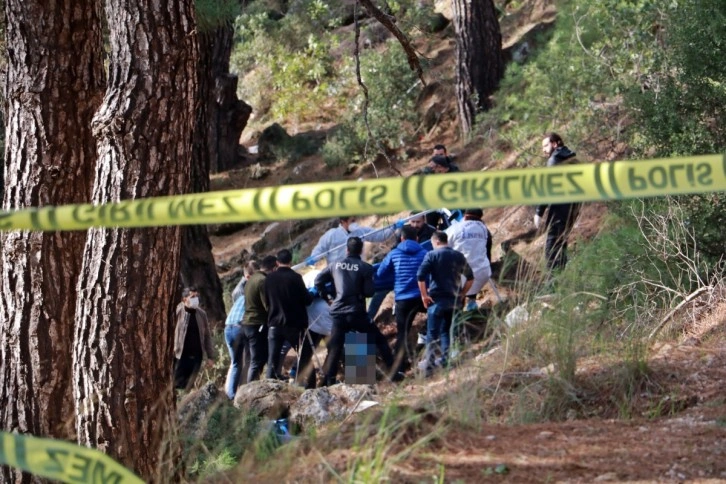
472	238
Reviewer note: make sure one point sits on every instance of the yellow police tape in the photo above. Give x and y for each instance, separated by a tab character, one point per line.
569	183
62	461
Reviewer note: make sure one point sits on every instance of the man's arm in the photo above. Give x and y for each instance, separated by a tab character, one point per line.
369	287
323	278
421	275
374	235
386	266
322	245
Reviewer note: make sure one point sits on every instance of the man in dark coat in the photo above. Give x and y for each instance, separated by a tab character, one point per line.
560	216
287	319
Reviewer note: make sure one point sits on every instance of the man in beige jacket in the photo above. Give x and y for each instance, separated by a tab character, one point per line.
192	339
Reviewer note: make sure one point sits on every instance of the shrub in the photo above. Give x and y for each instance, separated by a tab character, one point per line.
680	109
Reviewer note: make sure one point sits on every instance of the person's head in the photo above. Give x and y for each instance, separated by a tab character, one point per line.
408	232
550	143
251	267
268	263
473	214
439	164
439	239
418	221
346	221
354	246
190	297
284	258
439	150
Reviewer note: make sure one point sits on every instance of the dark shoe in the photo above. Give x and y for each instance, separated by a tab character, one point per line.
398	376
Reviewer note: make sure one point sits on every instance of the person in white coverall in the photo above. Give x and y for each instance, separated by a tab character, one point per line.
337	237
470	237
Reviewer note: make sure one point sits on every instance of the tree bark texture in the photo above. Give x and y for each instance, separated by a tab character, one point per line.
479	59
220	119
53	86
122	359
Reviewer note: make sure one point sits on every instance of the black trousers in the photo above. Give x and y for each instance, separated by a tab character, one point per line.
345	323
255	340
276	338
556	244
406	310
184	368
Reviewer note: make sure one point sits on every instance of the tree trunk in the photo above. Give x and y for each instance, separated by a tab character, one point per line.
220	119
54	84
479	59
122	359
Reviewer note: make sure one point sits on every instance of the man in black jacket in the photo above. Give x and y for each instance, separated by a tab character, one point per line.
353	282
287	319
561	216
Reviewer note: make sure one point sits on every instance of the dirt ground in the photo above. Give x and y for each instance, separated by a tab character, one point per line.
676	433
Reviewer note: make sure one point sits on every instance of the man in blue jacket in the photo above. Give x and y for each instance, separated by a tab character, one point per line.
353	282
402	263
443	267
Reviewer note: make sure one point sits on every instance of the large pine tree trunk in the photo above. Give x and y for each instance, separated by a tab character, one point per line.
54	84
221	117
479	59
122	360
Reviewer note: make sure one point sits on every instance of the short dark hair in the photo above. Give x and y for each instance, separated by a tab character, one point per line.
408	232
284	257
440	236
188	290
555	138
268	263
473	213
440	147
251	267
354	246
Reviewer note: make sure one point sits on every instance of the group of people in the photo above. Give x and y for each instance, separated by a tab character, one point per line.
429	270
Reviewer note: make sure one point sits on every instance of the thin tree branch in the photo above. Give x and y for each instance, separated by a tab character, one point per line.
668	316
387	22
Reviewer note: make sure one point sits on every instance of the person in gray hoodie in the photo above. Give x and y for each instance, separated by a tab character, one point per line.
560	216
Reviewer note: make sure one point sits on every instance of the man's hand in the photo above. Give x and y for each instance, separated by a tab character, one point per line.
210	363
537	221
427	301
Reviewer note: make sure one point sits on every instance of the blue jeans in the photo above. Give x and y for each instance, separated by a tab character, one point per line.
438	326
233	338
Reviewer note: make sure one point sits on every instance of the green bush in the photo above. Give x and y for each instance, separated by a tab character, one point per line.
391	112
575	73
682	107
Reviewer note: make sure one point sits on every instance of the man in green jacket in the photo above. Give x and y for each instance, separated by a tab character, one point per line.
254	322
